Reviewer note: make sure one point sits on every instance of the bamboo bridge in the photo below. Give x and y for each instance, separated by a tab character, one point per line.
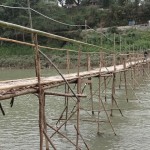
109	66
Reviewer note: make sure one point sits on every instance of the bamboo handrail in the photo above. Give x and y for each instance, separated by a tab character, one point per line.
42	33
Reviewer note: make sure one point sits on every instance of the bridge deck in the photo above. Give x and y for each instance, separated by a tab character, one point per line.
12	88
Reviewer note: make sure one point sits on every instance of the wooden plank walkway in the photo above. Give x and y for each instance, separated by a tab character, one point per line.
12	88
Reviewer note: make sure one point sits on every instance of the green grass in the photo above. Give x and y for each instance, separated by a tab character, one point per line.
12	49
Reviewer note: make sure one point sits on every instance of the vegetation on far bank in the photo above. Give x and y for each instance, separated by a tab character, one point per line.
102	14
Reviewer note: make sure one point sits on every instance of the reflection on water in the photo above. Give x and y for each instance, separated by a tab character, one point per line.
19	128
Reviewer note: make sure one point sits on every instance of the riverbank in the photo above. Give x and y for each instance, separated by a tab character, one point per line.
27	61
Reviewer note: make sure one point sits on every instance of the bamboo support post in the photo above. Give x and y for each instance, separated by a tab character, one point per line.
88	62
113	100
105	87
68	62
91	97
114	55
79	62
112	94
90	84
82	138
78	112
125	79
103	106
2	110
45	126
40	91
66	103
120	80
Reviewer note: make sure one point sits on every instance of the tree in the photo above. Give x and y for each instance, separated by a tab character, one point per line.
106	3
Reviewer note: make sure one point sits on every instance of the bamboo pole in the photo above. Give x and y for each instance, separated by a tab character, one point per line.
68	62
105	87
62	124
2	110
82	138
45	126
78	100
49	140
30	18
112	94
42	33
101	102
114	55
66	103
66	94
91	96
113	100
40	91
58	121
90	84
125	79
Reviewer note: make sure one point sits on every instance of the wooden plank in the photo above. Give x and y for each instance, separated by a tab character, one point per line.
64	94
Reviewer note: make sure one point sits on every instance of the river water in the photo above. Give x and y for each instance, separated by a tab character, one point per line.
19	127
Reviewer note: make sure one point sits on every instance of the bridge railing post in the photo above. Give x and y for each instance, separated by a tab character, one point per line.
79	62
114	61
68	61
88	62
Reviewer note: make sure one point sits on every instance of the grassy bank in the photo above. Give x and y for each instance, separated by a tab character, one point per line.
18	56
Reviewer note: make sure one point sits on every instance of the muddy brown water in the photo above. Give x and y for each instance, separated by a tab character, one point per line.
19	127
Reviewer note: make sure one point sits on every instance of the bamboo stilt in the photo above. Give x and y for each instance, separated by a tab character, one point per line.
105	87
66	103
45	126
90	84
120	80
68	62
126	90
112	94
113	100
103	106
40	91
98	123
78	112
91	96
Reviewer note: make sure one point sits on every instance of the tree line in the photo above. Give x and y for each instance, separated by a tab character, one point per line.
97	13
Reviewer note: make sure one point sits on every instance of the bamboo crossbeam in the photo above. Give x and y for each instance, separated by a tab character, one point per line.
64	94
61	134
